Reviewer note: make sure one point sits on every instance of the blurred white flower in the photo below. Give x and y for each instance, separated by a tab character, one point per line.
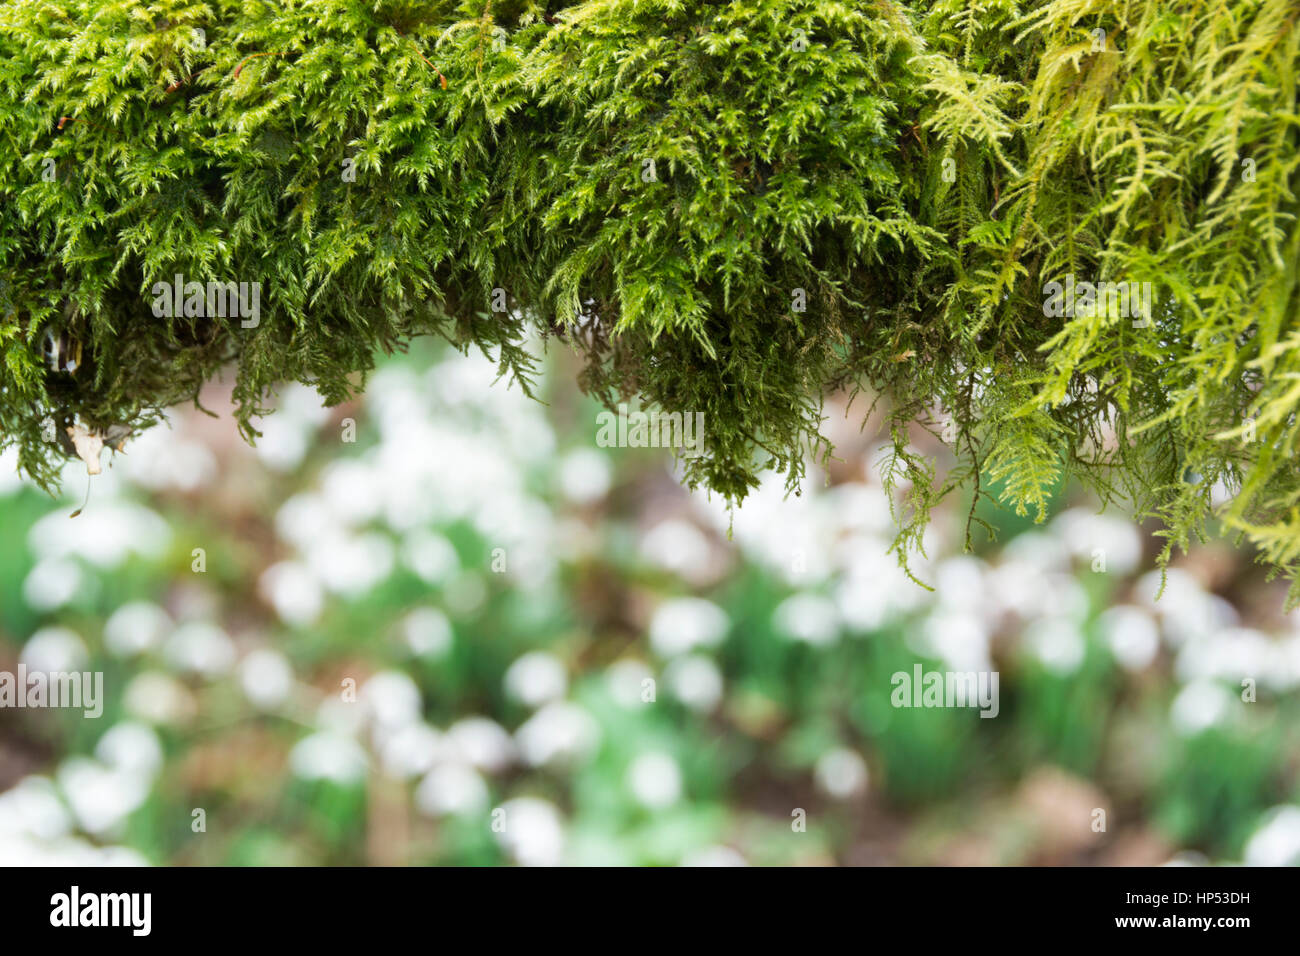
52	583
655	780
841	773
536	678
350	565
960	640
430	556
680	547
1277	841
53	650
131	747
451	788
135	628
585	476
300	519
482	743
266	678
559	732
200	647
1200	706
101	797
1093	537
1131	635
696	681
158	698
411	750
350	489
392	699
293	591
427	631
328	756
533	833
105	534
1057	642
809	618
626	680
683	624
33	807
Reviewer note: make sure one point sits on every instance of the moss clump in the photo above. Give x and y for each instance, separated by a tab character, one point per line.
727	207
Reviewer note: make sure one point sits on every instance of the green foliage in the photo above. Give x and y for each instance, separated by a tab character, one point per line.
661	182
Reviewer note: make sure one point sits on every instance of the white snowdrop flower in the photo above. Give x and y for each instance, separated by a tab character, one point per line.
392	699
482	743
430	555
1185	609
696	681
533	833
683	624
655	781
351	565
52	583
715	856
1131	635
1039	550
105	535
1090	537
54	650
158	698
1233	653
960	640
585	476
300	519
626	682
283	443
451	788
1277	841
536	678
328	756
304	404
411	750
131	747
200	647
841	773
350	488
427	631
809	618
559	732
1200	706
135	628
10	480
161	460
293	591
960	584
680	547
33	807
266	678
101	798
861	508
340	716
1057	643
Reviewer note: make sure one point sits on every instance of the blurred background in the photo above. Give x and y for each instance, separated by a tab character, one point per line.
439	625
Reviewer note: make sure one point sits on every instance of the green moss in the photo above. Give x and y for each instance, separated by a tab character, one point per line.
728	208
